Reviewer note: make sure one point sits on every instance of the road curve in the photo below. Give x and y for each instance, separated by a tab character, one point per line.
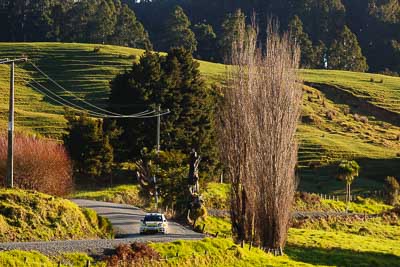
125	220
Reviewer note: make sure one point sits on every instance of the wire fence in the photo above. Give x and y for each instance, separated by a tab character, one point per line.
342	197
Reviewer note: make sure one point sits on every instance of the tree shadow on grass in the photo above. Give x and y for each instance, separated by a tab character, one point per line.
341	257
322	179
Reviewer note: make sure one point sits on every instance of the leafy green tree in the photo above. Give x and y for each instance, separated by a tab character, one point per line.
345	53
171	170
348	171
88	147
206	39
178	32
173	82
129	31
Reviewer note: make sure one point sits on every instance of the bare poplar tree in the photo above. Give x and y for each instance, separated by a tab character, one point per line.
262	104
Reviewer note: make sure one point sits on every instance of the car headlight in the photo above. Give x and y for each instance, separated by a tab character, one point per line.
160	224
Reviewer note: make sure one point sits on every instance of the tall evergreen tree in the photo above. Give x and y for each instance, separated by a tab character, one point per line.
308	59
129	31
102	24
174	82
320	55
59	16
178	32
78	19
345	53
230	31
88	147
39	20
206	39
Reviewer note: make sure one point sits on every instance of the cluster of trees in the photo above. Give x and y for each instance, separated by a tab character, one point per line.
171	82
335	29
334	34
92	21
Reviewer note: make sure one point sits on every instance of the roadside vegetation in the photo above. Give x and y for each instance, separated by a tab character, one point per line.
122	194
32	216
39	164
14	258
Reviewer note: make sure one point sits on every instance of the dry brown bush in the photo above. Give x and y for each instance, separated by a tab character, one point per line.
330	115
39	164
257	134
362	119
136	254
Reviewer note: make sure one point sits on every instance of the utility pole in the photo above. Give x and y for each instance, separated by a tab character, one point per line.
10	148
158	151
158	128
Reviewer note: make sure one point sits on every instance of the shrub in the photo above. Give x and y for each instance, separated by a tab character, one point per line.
135	254
96	49
39	164
330	115
133	56
371	80
346	110
392	188
362	119
310	199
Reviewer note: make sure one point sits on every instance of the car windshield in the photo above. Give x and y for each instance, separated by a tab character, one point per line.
153	218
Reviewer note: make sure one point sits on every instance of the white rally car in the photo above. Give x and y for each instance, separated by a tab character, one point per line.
154	223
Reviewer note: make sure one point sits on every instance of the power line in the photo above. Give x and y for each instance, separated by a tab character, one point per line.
65	100
69	92
60	100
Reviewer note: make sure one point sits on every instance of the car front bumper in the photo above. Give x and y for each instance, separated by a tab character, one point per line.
150	229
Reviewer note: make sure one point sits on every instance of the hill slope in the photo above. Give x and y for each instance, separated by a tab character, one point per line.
31	216
345	114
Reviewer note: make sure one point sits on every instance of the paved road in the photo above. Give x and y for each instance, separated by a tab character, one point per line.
125	220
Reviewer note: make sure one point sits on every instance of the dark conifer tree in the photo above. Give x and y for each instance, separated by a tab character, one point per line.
174	82
206	39
178	32
230	30
129	31
88	147
308	59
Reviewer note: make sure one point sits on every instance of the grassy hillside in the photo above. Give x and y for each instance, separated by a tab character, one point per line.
345	114
30	216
